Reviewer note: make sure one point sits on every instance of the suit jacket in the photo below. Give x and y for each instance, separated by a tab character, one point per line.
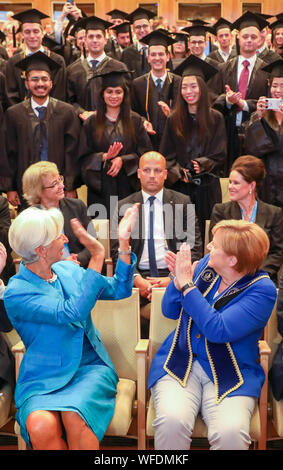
16	89
75	208
269	218
276	370
178	228
52	324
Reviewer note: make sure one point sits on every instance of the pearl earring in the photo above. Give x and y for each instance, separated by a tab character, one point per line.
250	191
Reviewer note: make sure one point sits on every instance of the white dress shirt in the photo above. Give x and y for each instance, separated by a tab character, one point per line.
35	105
163	78
158	232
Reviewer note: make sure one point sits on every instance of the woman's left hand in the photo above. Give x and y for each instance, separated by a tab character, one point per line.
164	108
116	165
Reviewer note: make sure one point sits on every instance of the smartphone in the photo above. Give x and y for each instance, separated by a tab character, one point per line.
71	1
274	103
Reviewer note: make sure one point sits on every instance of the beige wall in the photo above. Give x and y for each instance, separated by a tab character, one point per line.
231	9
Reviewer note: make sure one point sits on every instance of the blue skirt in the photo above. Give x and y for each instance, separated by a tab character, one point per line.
91	393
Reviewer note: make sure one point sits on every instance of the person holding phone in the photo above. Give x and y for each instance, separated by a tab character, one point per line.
264	135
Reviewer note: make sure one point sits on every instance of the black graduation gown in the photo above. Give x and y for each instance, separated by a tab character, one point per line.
82	87
63	130
215	56
210	153
16	89
137	62
94	172
264	139
144	99
257	87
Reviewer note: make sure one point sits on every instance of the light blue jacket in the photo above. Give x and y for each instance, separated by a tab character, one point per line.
52	326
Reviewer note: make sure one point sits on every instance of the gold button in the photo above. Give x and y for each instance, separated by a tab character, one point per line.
198	336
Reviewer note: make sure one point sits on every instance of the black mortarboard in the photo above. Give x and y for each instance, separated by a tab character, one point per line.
38	61
113	76
117	14
221	23
250	19
192	65
50	42
274	68
157	38
124	27
198	28
278	23
93	22
184	37
2	36
30	16
140	14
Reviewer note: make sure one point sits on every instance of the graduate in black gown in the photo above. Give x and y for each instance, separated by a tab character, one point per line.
154	94
112	141
40	128
82	83
32	31
264	137
194	140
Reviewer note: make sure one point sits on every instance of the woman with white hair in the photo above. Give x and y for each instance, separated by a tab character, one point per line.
67	382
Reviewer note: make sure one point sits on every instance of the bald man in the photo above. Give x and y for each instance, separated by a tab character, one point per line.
170	215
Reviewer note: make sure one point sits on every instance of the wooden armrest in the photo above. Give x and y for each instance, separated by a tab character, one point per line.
142	346
18	348
264	348
108	261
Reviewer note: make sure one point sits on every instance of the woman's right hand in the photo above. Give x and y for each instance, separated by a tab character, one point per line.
113	151
261	106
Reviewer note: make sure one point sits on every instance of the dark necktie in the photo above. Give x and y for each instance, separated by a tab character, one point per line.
158	85
244	79
151	250
94	63
43	133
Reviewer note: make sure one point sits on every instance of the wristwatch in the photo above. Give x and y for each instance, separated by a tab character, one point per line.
188	285
125	252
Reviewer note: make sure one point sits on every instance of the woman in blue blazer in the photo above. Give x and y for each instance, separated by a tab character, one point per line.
209	364
67	382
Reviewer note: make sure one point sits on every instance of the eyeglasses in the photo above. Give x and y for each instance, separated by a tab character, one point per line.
55	184
195	43
141	26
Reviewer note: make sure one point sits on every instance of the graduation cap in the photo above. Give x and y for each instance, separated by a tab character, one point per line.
198	28
278	23
30	16
250	19
93	22
220	24
274	68
50	43
140	14
117	14
124	27
192	65
157	38
113	76
38	61
181	37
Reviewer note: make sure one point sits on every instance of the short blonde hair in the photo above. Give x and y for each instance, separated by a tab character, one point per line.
246	241
32	228
32	180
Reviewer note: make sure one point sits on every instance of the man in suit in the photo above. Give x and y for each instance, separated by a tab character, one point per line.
166	219
240	82
135	56
154	94
82	86
40	128
32	33
197	37
222	30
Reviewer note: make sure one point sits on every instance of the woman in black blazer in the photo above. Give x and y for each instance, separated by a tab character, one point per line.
247	173
43	186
